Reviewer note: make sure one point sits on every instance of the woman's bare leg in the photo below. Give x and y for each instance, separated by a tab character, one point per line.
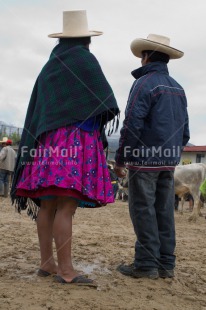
45	220
62	230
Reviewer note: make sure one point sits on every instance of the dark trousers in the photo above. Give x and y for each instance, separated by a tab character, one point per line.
151	206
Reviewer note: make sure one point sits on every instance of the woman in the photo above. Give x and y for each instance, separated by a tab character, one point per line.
61	162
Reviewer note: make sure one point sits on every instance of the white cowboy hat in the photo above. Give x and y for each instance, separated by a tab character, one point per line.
5	139
155	42
75	25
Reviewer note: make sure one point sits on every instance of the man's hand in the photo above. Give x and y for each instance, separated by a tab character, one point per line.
120	171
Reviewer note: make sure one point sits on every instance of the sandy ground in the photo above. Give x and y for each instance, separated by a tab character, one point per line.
103	238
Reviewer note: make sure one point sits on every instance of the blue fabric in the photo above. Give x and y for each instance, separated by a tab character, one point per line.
115	189
156	121
47	197
151	206
90	124
83	204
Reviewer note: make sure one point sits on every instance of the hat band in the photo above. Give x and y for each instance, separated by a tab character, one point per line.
75	33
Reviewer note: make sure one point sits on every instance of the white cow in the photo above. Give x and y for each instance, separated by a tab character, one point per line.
188	178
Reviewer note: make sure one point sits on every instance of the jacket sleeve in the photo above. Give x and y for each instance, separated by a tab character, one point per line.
138	107
3	154
186	132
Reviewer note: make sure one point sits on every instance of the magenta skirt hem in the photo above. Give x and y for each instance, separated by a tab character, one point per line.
59	192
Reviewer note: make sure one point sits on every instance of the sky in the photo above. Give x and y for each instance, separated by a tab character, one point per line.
25	48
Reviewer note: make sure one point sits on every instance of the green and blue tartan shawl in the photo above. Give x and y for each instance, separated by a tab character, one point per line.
71	87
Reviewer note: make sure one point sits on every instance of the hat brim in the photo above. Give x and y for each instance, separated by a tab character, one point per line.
83	35
5	139
139	45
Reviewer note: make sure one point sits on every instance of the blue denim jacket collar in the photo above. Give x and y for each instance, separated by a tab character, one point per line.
152	66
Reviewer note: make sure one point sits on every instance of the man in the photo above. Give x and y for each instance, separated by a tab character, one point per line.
154	132
7	163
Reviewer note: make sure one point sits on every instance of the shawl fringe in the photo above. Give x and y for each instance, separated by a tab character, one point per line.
25	203
113	125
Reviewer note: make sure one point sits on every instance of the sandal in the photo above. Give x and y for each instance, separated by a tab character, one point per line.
44	273
79	280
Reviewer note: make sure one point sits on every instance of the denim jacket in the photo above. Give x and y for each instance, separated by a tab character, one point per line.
155	128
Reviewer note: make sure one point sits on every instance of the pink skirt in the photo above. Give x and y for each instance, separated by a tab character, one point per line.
68	162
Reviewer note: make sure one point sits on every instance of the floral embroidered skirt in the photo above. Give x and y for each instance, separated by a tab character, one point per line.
68	162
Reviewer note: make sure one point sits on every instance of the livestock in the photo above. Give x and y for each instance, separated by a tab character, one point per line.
187	179
122	193
125	181
186	197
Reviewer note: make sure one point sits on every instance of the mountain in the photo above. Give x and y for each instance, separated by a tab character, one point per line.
2	123
190	144
113	146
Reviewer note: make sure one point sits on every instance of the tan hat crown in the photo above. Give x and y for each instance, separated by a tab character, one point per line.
75	25
159	39
155	42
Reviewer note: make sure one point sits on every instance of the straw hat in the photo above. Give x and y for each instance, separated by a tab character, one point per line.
75	25
155	42
5	139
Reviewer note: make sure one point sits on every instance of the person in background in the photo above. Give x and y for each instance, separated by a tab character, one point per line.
154	132
61	163
7	163
114	180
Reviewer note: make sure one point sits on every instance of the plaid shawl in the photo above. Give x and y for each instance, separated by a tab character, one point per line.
71	87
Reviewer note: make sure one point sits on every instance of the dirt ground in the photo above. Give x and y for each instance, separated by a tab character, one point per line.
102	238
